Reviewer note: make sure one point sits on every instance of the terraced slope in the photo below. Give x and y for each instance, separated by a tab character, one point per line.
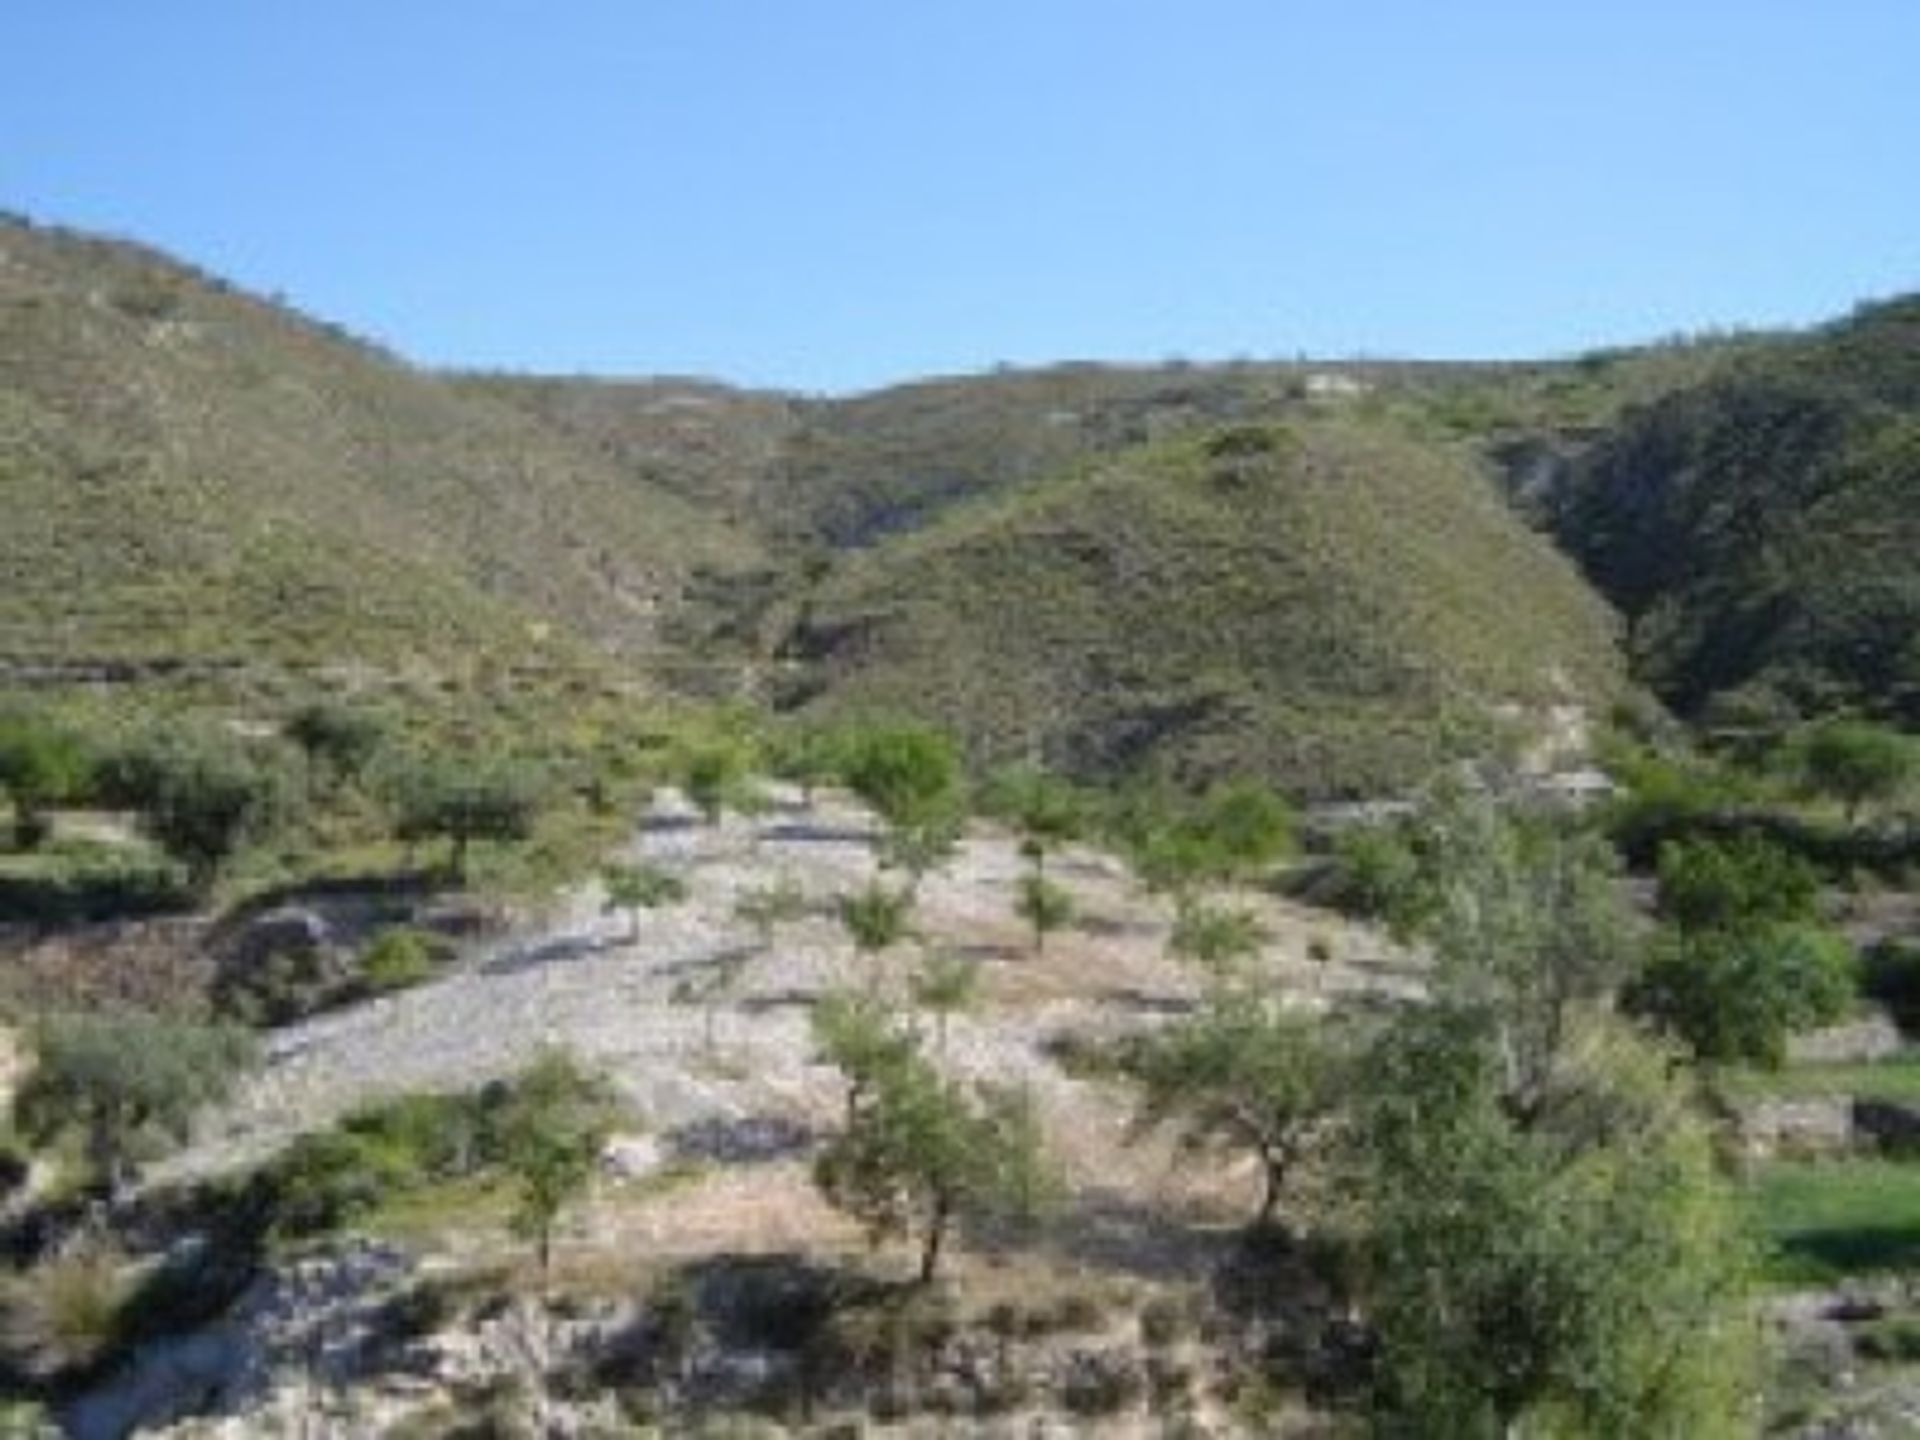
1324	603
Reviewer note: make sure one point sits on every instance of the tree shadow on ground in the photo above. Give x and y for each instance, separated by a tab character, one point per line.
1838	1251
1108	1229
740	1139
1136	1001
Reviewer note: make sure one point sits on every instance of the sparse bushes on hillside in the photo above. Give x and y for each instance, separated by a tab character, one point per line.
201	796
1857	763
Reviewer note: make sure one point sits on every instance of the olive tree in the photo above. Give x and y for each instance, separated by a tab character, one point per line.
631	888
464	802
921	1151
548	1137
123	1082
1242	1073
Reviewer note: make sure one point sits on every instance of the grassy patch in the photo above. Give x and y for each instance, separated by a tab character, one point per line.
1821	1222
1897	1078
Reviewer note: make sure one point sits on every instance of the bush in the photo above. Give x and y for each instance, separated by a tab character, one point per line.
63	1317
398	957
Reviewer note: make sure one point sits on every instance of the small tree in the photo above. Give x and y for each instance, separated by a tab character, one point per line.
945	985
1046	811
876	918
1216	937
1246	1075
856	1034
809	756
921	846
1045	906
1247	827
716	778
202	799
123	1081
337	740
1856	762
633	888
920	1152
548	1136
40	766
464	803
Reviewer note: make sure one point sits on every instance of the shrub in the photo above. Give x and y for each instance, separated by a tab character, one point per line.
398	957
63	1317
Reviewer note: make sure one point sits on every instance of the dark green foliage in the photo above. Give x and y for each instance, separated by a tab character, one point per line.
1856	762
1735	995
1757	529
338	740
1736	884
1744	962
41	765
329	1179
464	801
123	1081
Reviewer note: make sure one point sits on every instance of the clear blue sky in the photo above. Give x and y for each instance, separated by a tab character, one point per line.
832	194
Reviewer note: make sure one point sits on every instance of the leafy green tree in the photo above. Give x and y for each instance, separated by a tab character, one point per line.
41	765
1526	923
1734	885
1243	1073
122	1081
856	1034
631	888
1579	1273
1247	826
1045	906
1857	762
548	1137
921	1151
464	802
1737	995
1216	937
1743	960
201	796
337	740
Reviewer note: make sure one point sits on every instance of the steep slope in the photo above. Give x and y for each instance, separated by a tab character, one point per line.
1758	529
189	471
1325	603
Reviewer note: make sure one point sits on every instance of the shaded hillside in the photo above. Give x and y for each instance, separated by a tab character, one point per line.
1759	529
191	471
1323	603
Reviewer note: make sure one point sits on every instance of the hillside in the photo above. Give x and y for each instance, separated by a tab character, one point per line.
192	473
1323	603
1758	528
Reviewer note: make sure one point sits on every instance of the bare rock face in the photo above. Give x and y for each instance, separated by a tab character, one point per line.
1872	1037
